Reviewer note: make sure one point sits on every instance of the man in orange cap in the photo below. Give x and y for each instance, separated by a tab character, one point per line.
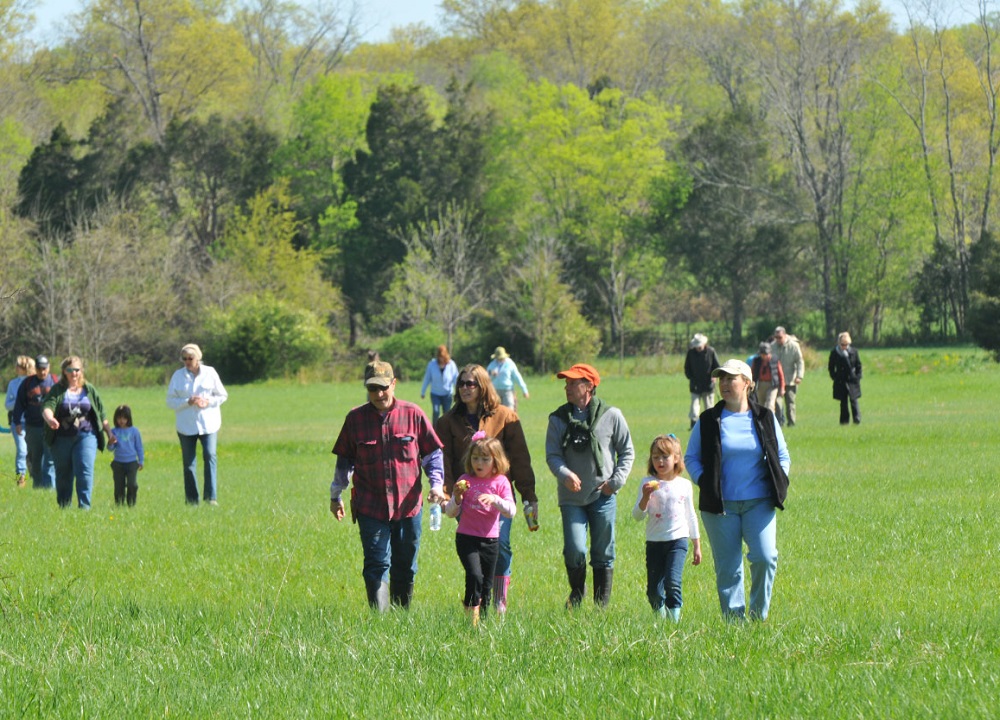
588	448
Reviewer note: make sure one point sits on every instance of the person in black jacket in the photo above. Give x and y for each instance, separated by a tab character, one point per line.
738	459
845	371
700	363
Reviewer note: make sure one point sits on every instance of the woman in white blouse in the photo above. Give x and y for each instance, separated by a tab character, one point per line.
195	394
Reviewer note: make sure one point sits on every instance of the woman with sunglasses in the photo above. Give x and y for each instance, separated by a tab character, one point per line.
477	408
74	414
196	393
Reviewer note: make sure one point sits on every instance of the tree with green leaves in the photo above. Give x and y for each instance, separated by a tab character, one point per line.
733	232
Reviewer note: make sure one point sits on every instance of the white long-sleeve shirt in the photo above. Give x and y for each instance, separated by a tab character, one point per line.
191	419
670	512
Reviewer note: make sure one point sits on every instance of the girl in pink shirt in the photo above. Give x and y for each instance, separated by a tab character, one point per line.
480	496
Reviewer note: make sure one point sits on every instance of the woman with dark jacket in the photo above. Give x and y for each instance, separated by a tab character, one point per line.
477	407
738	459
845	371
74	414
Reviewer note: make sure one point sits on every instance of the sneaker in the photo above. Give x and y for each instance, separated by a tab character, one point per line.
20	480
212	502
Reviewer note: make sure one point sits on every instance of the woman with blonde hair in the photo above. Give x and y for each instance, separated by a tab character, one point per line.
476	409
195	394
845	371
76	423
440	375
23	367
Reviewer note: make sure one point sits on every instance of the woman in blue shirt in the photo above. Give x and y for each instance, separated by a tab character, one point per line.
440	375
738	458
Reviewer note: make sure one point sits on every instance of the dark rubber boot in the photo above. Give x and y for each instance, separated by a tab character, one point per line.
602	585
378	595
577	585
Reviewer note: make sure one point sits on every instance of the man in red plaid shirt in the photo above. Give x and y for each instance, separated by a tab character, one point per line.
385	443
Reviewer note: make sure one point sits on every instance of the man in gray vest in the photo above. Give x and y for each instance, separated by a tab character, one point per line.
588	448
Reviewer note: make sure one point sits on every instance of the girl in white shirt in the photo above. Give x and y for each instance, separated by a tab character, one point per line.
666	503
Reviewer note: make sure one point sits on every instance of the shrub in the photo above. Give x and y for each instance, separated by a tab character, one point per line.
261	338
409	351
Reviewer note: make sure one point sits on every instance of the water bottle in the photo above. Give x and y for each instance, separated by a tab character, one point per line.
435	516
531	516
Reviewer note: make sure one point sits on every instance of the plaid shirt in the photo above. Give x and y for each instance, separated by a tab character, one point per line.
386	453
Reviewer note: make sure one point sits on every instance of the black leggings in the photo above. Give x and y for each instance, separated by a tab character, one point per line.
479	558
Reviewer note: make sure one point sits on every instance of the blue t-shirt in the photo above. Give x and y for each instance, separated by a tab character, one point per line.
128	445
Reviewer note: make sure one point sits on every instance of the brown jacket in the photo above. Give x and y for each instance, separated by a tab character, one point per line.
502	424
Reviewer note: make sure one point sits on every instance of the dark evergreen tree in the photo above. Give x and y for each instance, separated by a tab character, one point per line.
47	186
984	284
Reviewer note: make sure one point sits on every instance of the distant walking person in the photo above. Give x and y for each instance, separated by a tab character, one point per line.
382	448
503	374
23	367
27	419
845	371
126	442
769	377
76	423
789	353
440	375
700	363
196	395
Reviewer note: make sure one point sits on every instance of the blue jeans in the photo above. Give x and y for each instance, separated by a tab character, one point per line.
440	404
599	516
189	456
20	453
664	569
43	474
505	557
390	549
752	522
74	458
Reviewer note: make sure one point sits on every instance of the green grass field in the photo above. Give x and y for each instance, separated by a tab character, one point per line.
885	604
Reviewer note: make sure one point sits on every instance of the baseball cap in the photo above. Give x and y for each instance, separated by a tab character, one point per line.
581	371
379	373
733	367
41	362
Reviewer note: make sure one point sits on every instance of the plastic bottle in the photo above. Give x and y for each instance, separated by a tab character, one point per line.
531	515
435	516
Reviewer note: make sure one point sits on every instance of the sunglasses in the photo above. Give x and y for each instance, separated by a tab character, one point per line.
376	388
468	384
185	358
72	370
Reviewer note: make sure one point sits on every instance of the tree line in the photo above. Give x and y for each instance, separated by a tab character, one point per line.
564	178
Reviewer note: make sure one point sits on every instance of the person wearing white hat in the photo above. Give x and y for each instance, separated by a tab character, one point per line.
738	458
503	374
699	364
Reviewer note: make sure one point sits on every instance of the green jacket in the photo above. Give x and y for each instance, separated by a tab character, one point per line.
96	415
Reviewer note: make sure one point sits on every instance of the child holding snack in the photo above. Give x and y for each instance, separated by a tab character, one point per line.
126	442
666	502
479	498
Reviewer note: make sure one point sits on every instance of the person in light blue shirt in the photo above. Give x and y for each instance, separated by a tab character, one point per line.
440	375
23	367
738	458
503	374
126	441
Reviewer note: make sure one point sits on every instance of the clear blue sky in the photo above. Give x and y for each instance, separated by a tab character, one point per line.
378	16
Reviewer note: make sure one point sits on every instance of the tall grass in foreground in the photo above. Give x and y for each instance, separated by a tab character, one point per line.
885	603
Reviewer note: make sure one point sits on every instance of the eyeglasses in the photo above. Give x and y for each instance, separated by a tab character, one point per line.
186	358
72	370
468	384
